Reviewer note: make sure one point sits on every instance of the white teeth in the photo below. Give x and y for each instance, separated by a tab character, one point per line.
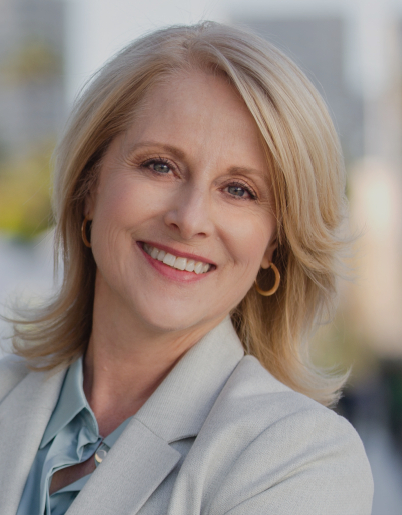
190	265
154	252
198	267
161	255
169	259
181	263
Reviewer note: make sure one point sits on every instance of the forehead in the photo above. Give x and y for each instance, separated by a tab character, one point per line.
200	110
194	83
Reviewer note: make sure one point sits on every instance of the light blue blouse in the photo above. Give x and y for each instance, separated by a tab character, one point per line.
71	437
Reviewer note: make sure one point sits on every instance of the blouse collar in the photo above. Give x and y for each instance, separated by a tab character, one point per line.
71	401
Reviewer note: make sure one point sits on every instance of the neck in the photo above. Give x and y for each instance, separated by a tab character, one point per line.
126	361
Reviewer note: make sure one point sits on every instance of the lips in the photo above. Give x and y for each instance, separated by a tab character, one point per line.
178	262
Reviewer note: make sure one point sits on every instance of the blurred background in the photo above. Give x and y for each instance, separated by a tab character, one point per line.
351	50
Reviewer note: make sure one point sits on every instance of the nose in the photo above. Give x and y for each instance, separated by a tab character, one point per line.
190	213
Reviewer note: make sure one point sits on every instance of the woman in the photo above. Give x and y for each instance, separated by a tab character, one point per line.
198	198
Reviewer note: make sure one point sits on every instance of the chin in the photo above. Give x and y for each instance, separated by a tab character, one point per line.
167	326
165	320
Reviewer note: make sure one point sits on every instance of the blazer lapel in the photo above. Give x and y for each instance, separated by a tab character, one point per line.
142	457
136	465
24	415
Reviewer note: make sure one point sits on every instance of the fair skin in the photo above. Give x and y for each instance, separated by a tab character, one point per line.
190	178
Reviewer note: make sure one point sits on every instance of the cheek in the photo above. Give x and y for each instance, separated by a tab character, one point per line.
126	204
247	237
120	210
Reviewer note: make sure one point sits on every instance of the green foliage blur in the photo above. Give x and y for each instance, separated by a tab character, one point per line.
25	208
34	61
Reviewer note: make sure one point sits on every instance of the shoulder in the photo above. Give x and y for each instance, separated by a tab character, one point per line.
287	453
252	393
13	369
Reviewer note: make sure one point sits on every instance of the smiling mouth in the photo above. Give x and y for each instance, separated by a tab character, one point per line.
180	263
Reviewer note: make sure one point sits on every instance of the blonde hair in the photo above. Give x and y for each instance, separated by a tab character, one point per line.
307	174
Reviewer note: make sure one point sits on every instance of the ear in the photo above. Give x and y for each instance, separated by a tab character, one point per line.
267	257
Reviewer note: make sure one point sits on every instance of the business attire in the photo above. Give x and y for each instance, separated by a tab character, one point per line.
71	437
219	436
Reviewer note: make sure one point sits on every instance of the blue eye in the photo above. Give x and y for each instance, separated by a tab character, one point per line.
240	190
237	191
160	167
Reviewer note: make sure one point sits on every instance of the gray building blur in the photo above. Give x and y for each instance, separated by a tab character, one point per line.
317	45
31	72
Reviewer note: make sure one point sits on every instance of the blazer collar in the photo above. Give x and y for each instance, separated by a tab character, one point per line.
24	415
178	408
142	458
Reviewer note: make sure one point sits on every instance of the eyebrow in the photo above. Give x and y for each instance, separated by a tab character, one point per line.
233	170
167	148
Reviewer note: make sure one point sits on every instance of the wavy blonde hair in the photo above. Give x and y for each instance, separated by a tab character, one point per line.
307	174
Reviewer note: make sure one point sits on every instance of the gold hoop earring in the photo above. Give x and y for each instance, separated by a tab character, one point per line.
84	233
274	287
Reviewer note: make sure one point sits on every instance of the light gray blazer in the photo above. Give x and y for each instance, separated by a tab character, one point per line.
219	436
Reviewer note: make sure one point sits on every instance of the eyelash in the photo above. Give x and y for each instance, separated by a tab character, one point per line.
159	160
239	184
245	187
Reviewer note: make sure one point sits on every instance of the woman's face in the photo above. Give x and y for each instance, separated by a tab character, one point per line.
186	187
